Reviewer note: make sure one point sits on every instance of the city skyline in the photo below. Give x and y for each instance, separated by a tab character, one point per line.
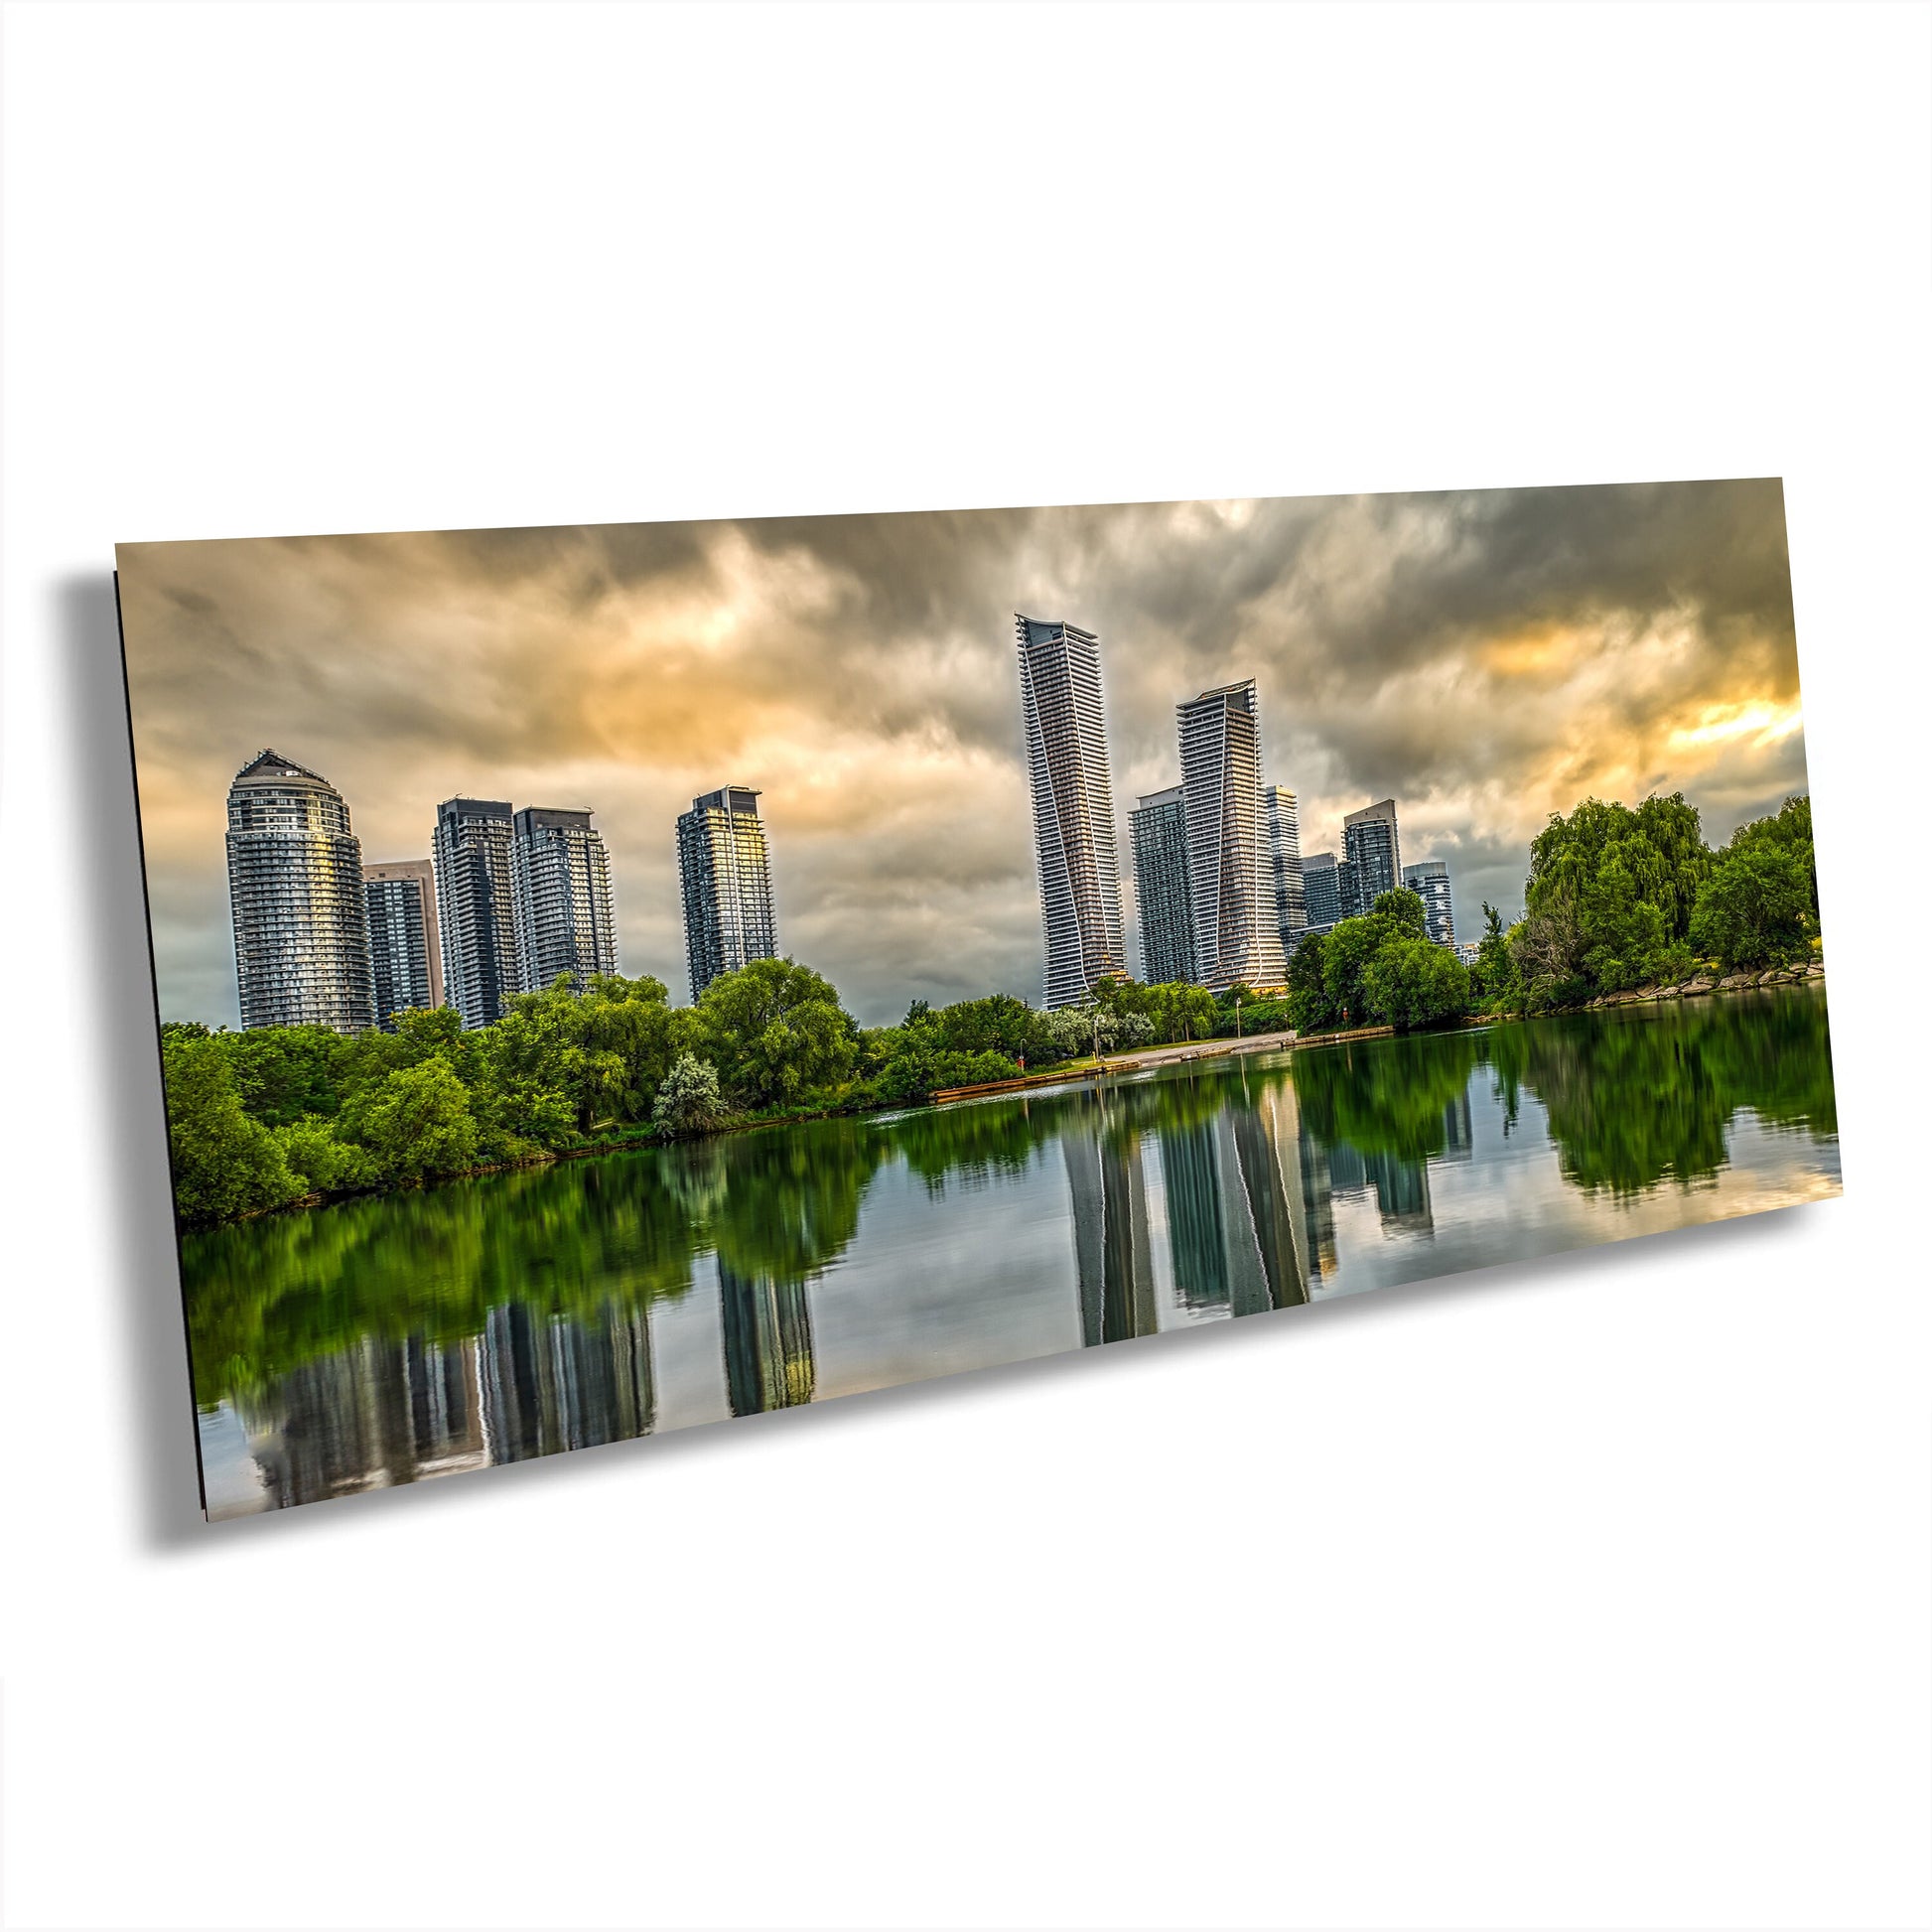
1483	657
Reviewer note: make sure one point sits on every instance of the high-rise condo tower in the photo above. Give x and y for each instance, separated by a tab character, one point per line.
726	873
406	947
1429	882
295	898
561	876
1159	825
1321	891
1369	844
1230	857
1073	808
475	904
1284	842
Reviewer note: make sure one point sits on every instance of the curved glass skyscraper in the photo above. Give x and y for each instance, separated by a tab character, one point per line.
1230	846
1073	808
295	898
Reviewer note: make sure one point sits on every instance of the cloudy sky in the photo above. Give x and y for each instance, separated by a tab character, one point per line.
1484	657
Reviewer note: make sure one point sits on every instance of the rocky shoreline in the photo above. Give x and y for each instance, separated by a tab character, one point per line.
1700	984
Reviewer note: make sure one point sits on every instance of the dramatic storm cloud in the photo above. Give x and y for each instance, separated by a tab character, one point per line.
1483	657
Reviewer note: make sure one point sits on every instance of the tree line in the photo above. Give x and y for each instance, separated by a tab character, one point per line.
1616	899
275	1115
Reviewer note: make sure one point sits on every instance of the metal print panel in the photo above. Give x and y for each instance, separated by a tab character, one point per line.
617	978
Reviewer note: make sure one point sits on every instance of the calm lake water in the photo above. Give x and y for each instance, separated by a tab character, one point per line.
388	1340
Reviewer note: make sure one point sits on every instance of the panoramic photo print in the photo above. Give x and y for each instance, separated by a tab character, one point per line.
620	977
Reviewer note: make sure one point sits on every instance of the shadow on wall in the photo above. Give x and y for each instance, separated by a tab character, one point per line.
132	1150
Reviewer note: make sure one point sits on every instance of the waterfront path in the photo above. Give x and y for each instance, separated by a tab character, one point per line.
1146	1057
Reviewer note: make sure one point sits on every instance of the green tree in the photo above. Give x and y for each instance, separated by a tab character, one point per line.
1609	899
1308	991
775	1030
416	1126
1413	983
690	1101
320	1162
225	1163
1755	910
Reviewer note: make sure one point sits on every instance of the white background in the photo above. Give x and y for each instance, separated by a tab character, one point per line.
1593	1593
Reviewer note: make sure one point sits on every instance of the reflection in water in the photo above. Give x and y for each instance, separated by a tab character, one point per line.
385	1341
767	1335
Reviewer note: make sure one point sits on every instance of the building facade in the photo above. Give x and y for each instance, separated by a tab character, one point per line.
1230	857
405	948
1369	844
725	870
1321	892
1159	829
1073	808
475	905
294	901
561	876
1429	879
1284	842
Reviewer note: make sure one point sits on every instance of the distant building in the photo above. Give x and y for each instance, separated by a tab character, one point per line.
294	901
1321	891
476	906
1469	950
561	876
1159	827
1230	857
1285	839
1073	808
1369	844
405	948
725	870
1429	879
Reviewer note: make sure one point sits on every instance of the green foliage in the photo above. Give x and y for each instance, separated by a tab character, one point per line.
690	1100
1609	899
319	1161
922	1070
1414	982
286	1072
1759	906
997	1024
774	1032
1404	909
1309	1007
1495	985
1379	967
416	1125
225	1164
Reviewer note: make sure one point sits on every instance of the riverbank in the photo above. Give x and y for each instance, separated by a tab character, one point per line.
1701	984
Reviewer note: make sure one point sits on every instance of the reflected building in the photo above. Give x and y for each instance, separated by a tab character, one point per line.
1073	808
1429	879
770	1359
561	876
294	901
476	906
1401	1188
406	947
564	1382
1232	1223
1159	827
725	875
383	1412
1112	1254
1230	857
